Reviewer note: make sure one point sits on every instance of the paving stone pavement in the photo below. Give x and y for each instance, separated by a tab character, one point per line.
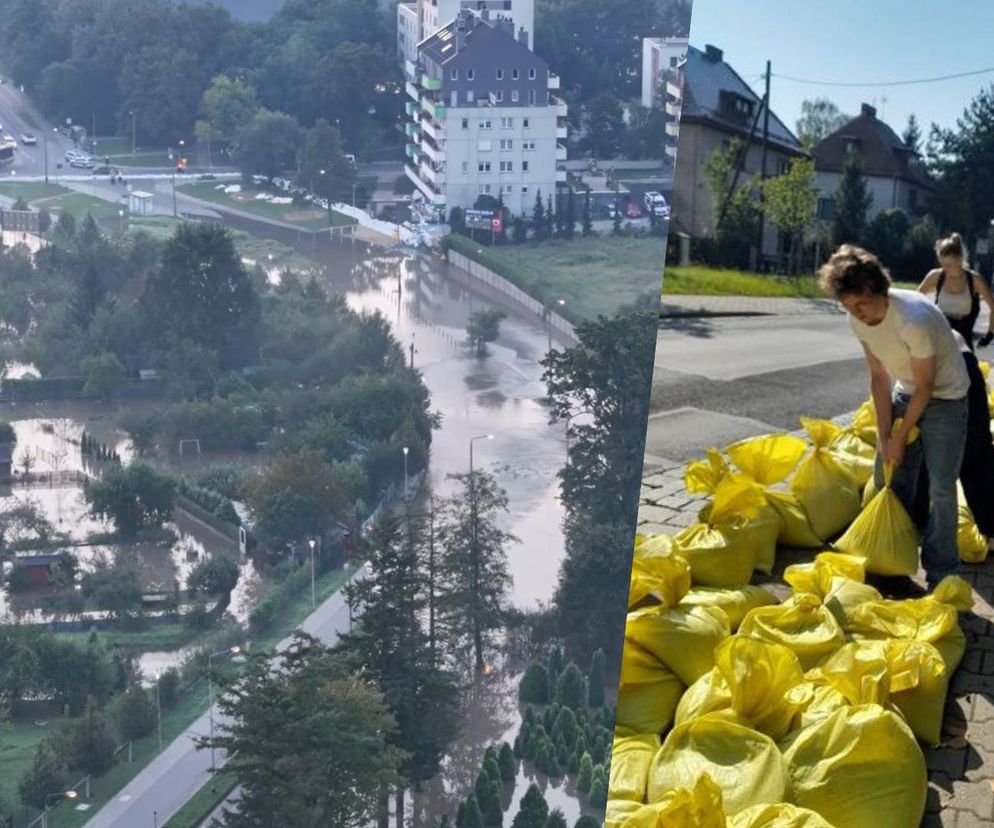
961	770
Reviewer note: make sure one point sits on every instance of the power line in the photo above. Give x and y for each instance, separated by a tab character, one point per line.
886	83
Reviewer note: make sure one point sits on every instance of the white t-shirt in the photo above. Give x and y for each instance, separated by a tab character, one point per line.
914	328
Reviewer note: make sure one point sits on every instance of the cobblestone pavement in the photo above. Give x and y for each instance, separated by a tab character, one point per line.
961	770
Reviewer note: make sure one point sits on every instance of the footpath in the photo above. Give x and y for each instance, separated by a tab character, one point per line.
961	769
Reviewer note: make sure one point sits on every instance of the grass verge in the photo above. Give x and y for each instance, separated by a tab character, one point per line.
305	216
31	190
203	802
700	280
594	275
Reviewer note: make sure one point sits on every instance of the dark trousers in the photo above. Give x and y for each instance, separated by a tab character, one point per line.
977	471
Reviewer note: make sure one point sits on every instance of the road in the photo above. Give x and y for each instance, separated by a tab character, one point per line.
167	782
17	116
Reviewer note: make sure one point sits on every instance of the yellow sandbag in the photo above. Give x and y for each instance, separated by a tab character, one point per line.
864	422
659	572
860	767
883	534
618	811
796	529
933	619
970	543
703	476
826	491
869	492
815	699
683	640
699	806
801	624
648	692
854	452
735	602
722	552
744	763
630	760
751	678
836	579
781	815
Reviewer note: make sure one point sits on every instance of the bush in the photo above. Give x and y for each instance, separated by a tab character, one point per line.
586	773
135	713
534	686
47	773
595	680
598	787
571	689
168	685
7	433
587	821
506	763
215	574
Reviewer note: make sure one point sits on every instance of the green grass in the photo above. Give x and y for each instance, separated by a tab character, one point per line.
80	204
203	801
596	275
699	280
160	638
17	746
31	190
114	145
289	213
142	159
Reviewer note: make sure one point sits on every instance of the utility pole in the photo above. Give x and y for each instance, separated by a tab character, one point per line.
762	166
412	351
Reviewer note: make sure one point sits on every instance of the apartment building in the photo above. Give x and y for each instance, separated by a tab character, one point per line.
421	19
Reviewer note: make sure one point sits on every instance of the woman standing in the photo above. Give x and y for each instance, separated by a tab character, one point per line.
958	291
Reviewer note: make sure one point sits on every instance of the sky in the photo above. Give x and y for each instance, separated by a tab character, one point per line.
856	41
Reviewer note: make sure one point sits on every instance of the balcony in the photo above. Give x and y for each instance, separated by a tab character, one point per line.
431	84
673	129
559	105
561	132
431	175
411	108
561	176
434	153
674	90
412	91
560	152
436	110
437	198
670	150
433	130
412	150
410	71
412	130
673	109
553	80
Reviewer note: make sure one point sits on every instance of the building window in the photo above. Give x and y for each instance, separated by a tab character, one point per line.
524	166
507	123
673	62
514	95
500	96
531	97
500	74
507	189
453	74
524	123
453	98
484	189
507	5
507	166
506	143
470	74
515	74
465	166
913	199
826	208
527	145
486	124
483	166
465	123
532	74
470	96
782	166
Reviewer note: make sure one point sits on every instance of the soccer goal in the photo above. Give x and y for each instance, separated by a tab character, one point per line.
192	445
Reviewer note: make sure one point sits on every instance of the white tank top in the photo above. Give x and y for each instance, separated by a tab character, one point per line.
955	305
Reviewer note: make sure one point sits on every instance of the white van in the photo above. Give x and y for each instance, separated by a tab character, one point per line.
656	203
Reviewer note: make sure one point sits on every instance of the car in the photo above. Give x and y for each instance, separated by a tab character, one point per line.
73	154
84	163
28	139
633	211
655	203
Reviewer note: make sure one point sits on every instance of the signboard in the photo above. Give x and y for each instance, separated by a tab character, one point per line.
21	221
480	219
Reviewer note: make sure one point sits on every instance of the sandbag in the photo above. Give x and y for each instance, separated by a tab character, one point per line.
618	811
864	422
745	764
837	580
854	452
883	534
827	492
648	692
859	767
722	552
933	619
659	572
700	806
796	528
735	602
815	699
801	624
781	815
752	678
631	757
683	640
970	543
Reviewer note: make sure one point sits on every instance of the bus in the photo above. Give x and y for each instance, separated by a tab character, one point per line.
7	147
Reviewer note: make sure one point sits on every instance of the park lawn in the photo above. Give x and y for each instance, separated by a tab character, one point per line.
203	801
80	204
114	145
17	747
142	159
700	280
595	275
31	190
305	216
159	638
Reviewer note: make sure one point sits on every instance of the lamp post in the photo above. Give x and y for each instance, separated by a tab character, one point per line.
405	450
158	706
472	517
70	794
210	694
120	214
353	192
134	147
312	543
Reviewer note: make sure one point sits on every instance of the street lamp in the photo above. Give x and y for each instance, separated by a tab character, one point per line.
70	794
210	693
406	450
158	706
120	214
312	543
134	147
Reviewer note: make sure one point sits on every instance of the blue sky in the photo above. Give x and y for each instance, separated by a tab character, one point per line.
856	41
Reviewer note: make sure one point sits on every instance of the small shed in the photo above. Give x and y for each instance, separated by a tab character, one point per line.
38	566
140	203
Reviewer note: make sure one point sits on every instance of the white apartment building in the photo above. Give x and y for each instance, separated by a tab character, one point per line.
482	118
658	55
419	20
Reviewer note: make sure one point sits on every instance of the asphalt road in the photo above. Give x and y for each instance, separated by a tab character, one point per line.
18	116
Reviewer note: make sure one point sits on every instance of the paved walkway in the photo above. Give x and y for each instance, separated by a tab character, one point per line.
683	306
961	770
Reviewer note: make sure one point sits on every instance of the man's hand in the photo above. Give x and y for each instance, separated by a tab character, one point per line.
893	450
986	339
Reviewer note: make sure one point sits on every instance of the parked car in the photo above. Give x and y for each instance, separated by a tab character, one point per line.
28	139
73	154
656	203
633	211
83	163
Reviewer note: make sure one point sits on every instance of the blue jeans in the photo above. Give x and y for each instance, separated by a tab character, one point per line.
940	447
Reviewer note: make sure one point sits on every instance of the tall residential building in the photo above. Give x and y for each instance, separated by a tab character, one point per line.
672	105
659	55
482	118
419	20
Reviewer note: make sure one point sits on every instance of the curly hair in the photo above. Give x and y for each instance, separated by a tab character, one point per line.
853	270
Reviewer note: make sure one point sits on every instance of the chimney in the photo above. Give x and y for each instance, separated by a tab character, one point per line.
522	35
713	54
869	111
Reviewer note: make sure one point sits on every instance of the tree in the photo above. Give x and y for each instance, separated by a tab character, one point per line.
595	680
587	821
269	144
116	590
789	201
104	374
598	787
556	819
484	327
228	105
90	742
733	211
534	686
482	792
47	774
819	119
202	293
472	816
7	434
571	688
168	685
887	234
605	126
323	167
551	217
134	497
588	227
474	572
215	574
136	714
457	220
295	728
852	201
586	773
538	217
519	230
508	771
912	135
570	215
533	811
